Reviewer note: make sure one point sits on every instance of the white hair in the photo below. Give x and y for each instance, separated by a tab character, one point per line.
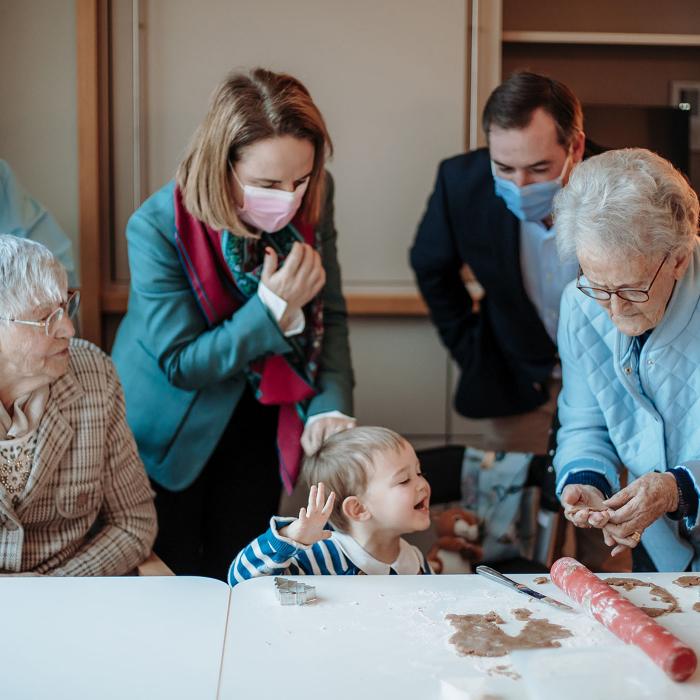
629	201
30	276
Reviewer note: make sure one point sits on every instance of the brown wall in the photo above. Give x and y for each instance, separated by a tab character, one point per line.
670	17
608	74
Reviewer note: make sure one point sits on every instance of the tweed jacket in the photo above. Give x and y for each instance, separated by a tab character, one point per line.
623	406
88	508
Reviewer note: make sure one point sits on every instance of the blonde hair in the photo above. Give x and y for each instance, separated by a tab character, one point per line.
244	109
343	461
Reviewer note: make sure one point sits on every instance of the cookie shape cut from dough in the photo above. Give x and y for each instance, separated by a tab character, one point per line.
657	593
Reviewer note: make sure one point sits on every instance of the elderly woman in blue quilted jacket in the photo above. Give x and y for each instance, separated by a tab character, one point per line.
629	340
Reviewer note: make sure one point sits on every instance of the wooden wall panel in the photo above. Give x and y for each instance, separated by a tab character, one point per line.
93	157
672	16
634	75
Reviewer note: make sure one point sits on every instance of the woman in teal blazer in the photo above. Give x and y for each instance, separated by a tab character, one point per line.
234	350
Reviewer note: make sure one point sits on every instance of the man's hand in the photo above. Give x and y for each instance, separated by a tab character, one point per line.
580	501
309	527
316	432
632	509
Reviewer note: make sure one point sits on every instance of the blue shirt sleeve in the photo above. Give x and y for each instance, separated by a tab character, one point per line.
267	555
688	496
590	478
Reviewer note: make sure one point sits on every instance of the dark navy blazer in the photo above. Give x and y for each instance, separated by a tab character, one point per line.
504	351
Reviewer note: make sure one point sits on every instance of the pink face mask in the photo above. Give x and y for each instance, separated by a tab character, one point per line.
267	209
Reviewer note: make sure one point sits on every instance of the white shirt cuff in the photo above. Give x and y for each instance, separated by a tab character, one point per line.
329	414
277	306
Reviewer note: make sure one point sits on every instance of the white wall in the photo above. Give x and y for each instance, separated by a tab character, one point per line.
38	111
389	77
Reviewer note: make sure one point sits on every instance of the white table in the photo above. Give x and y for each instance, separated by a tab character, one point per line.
365	637
386	637
111	638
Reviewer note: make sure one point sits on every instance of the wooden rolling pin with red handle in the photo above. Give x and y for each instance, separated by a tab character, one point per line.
624	619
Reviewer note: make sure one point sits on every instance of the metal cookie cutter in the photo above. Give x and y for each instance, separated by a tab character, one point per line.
293	592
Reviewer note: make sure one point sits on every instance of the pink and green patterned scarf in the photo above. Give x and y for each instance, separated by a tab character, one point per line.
224	272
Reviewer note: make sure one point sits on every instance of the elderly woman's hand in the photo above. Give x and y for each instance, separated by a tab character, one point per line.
321	429
580	501
632	509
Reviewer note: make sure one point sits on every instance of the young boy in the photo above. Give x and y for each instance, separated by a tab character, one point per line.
377	494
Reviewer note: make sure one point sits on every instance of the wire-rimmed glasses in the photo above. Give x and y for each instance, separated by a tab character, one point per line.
637	296
50	323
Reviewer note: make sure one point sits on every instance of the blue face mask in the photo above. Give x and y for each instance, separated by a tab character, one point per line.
531	202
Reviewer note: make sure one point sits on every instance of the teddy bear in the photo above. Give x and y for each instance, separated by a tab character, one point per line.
457	544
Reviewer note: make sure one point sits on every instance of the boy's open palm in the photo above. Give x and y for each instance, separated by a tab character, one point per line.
308	528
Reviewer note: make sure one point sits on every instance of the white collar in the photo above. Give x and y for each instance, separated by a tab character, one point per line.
537	230
407	562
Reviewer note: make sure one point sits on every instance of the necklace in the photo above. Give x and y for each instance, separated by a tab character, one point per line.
15	465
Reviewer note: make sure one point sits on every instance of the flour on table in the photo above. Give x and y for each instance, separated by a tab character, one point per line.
503	670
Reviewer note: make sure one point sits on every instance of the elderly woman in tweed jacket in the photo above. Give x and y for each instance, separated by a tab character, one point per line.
74	497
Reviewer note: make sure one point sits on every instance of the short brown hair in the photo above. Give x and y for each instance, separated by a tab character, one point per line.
244	109
343	460
511	104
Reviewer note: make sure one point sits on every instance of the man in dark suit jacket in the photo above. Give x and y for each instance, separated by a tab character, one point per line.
490	210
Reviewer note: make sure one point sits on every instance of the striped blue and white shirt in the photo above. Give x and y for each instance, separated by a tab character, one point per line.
340	555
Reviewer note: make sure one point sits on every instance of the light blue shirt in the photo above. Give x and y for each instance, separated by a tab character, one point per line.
21	215
544	275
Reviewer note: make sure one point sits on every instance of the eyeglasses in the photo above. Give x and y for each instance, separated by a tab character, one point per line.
50	323
637	296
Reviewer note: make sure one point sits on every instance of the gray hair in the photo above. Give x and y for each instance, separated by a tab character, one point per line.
343	461
30	276
628	201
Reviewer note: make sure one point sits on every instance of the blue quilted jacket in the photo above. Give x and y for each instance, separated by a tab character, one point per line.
622	407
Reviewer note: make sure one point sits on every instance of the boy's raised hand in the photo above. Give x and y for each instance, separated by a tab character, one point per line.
308	529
